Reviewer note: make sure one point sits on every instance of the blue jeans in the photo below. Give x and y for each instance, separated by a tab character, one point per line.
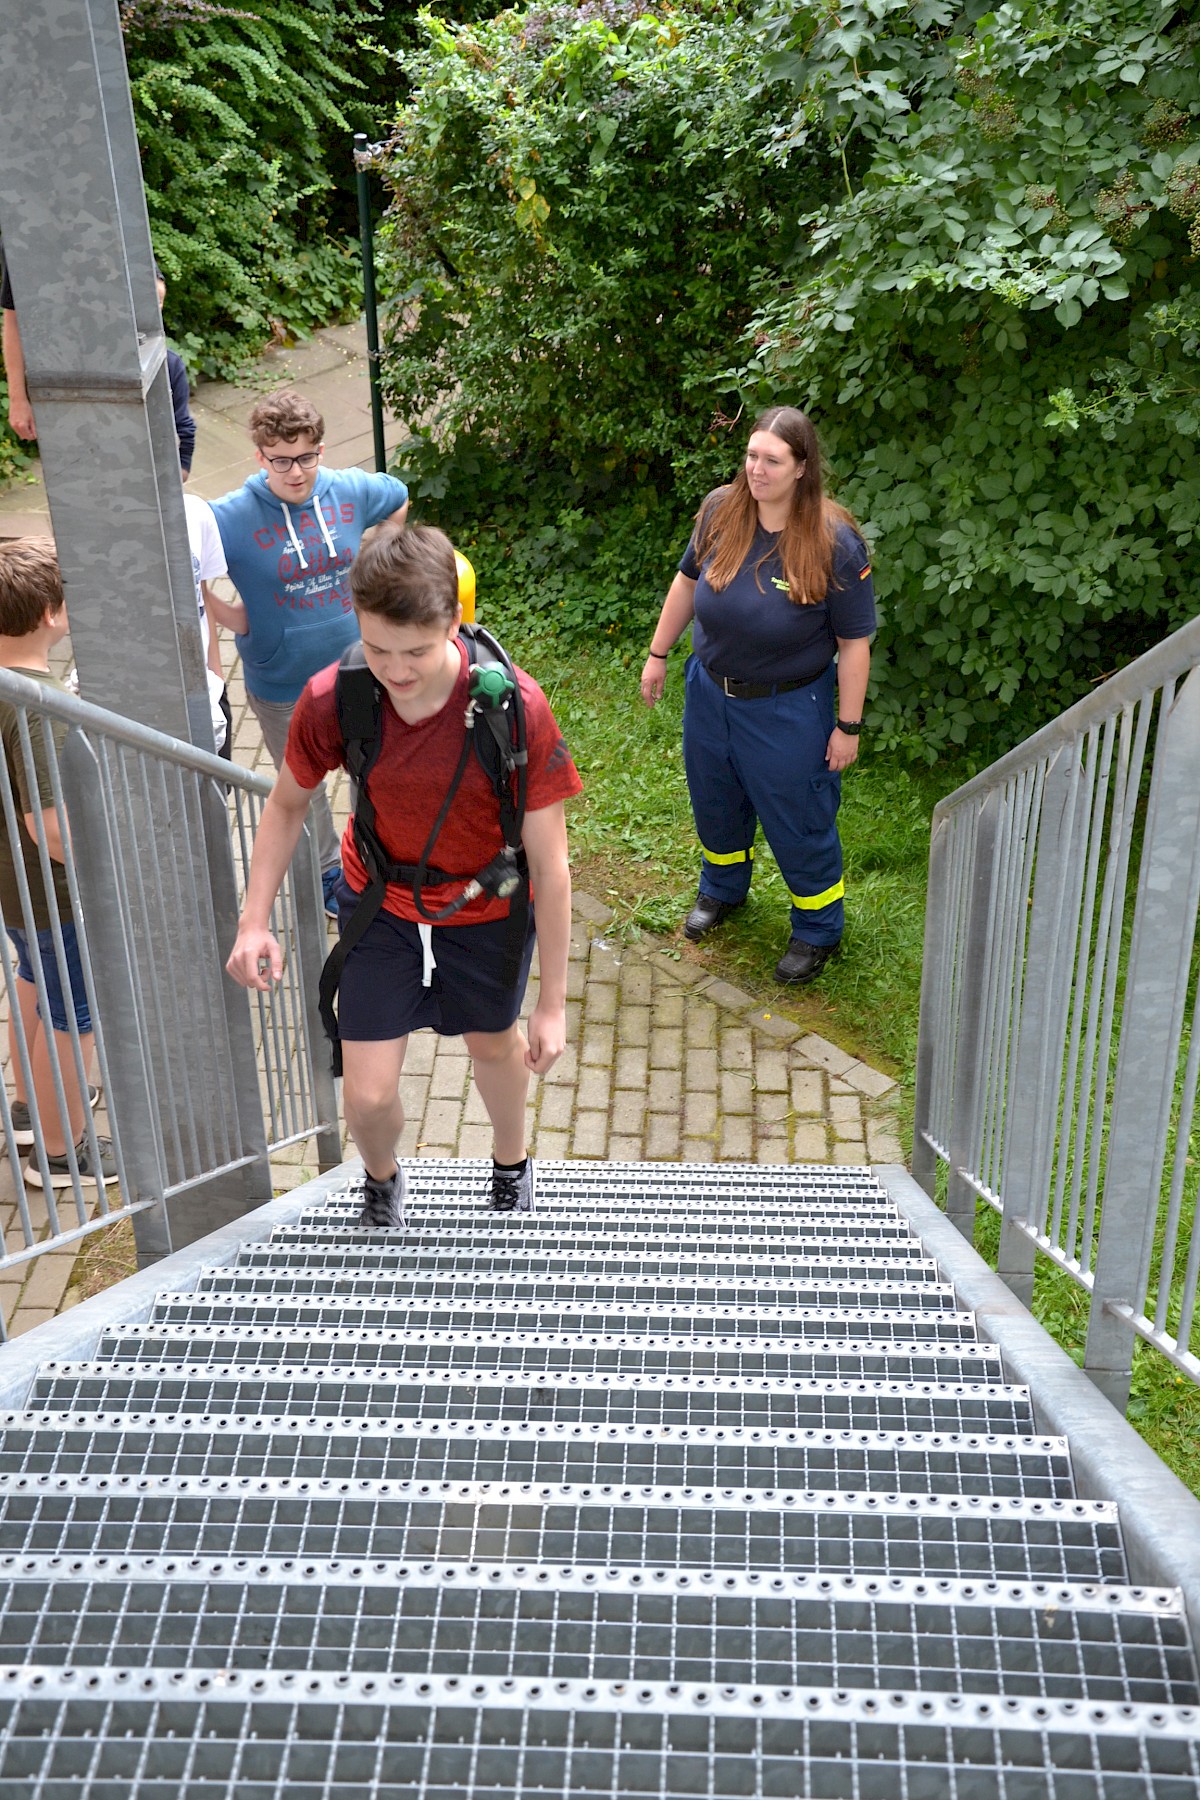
50	974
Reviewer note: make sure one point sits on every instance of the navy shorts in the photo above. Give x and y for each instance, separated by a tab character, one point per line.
382	994
54	989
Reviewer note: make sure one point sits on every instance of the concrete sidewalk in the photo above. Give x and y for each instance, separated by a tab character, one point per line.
664	1060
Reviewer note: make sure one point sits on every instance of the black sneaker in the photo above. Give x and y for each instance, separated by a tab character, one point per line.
23	1123
512	1189
383	1203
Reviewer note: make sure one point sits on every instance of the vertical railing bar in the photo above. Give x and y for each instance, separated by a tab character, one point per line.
1020	902
992	981
219	1145
163	1061
1076	960
1123	817
964	844
1089	983
1017	930
1055	1046
1183	1132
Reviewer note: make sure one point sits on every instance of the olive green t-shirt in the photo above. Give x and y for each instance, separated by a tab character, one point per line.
32	792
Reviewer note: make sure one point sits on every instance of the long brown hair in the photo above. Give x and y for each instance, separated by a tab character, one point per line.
728	519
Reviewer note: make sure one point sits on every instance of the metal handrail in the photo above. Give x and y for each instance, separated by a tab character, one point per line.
1059	1042
201	1082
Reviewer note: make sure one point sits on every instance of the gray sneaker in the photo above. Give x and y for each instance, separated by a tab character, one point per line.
383	1203
23	1123
510	1192
60	1167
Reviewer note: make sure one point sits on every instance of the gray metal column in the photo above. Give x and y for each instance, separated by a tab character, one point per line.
1031	1110
77	244
1156	986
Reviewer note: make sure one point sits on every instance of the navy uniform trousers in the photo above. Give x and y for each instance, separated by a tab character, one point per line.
748	760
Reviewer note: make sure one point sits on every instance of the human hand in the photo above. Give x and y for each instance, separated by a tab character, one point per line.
256	959
654	679
841	751
547	1037
20	417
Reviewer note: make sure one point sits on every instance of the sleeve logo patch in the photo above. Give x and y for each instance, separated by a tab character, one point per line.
863	573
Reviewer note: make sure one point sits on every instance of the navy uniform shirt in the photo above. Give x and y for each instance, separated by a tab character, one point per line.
751	631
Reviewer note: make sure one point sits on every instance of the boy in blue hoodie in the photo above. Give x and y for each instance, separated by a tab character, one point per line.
290	534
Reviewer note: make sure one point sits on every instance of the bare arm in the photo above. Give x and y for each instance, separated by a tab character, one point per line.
214	648
399	516
278	834
678	609
545	839
854	666
53	830
229	613
20	412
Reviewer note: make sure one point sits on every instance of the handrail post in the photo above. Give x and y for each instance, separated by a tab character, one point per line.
362	161
1030	1146
310	932
1156	986
969	1060
933	1022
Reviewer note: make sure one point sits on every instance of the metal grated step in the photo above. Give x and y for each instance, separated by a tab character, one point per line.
696	1485
554	1396
404	1450
438	1738
1119	1645
996	1540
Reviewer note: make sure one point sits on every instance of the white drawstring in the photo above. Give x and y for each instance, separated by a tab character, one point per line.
296	544
428	961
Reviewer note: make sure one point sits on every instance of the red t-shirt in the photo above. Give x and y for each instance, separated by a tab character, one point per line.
410	781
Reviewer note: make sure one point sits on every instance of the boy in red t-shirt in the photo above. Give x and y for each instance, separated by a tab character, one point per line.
405	972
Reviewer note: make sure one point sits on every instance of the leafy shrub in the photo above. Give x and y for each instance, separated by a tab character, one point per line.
581	204
996	323
238	110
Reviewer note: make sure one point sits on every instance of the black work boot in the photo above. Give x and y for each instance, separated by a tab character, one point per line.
706	913
803	962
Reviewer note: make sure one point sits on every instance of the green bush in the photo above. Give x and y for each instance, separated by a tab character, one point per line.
241	115
996	322
581	206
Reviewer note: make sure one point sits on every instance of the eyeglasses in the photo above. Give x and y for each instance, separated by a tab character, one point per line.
282	465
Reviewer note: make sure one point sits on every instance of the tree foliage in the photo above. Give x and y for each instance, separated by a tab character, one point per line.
995	320
241	115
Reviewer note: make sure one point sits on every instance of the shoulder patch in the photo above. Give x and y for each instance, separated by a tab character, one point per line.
864	572
559	756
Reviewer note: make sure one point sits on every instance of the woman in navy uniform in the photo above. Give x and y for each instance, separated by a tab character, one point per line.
777	581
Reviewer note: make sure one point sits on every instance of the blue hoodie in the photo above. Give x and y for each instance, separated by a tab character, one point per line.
291	566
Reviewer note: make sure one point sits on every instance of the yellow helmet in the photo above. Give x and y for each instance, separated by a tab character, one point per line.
466	588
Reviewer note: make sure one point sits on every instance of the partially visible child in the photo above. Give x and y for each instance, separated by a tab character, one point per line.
185	425
33	619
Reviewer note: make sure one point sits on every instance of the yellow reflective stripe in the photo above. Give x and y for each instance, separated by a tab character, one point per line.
836	892
734	856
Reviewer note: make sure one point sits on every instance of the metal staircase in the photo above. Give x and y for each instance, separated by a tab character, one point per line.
697	1483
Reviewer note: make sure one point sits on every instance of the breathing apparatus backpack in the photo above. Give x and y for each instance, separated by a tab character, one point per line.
494	726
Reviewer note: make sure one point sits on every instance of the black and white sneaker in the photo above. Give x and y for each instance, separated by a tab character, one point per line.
512	1189
383	1203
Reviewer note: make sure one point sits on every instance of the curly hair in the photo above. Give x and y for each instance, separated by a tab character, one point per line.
285	416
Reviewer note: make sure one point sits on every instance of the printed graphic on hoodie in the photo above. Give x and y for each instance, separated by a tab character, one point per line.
291	567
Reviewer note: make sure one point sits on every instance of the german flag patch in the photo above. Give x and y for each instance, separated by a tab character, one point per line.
864	572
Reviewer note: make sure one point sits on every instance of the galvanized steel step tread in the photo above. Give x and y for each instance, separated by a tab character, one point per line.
1026	1639
520	1736
319	1449
547	1396
1072	1540
304	1312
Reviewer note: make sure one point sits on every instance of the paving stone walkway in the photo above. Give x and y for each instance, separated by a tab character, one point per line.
664	1061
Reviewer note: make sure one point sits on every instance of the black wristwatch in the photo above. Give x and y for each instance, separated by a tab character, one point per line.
850	730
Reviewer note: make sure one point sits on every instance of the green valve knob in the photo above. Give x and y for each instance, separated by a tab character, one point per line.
490	684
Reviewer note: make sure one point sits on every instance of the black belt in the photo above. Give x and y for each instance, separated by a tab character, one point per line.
758	690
